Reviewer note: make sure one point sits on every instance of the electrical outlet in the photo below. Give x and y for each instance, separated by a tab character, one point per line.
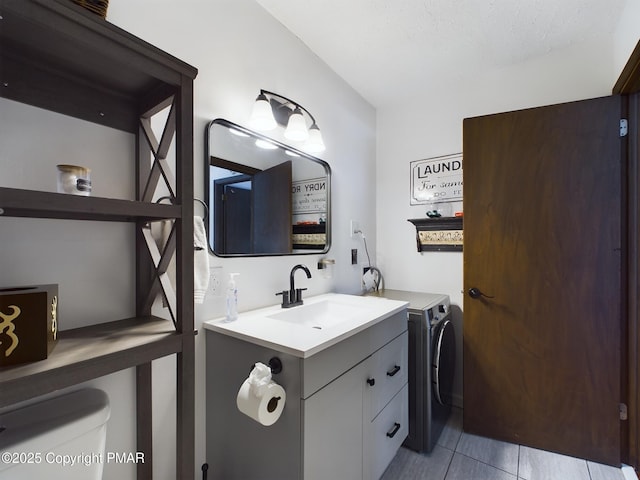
355	228
215	280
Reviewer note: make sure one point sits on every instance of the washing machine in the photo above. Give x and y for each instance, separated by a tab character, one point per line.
431	365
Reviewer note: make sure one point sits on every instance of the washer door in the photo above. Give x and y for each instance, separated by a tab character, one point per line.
444	359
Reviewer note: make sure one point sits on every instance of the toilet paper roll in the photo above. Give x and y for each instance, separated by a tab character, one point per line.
265	407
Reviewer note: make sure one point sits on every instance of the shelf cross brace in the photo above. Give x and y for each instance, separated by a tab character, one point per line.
160	150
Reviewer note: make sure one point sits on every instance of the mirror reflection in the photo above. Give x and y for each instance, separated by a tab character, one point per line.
264	197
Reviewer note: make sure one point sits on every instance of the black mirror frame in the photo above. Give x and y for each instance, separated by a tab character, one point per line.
207	176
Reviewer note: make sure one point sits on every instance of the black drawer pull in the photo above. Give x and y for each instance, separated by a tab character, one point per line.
371	381
393	371
394	430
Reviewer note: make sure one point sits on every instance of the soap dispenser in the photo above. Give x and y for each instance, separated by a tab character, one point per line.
232	298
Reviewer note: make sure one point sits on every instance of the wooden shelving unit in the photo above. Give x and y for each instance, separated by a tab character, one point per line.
60	57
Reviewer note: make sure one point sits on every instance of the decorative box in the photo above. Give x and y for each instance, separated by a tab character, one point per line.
28	323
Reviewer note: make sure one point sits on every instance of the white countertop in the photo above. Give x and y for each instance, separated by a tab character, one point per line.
300	339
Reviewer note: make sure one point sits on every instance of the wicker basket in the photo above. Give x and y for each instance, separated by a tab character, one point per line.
99	7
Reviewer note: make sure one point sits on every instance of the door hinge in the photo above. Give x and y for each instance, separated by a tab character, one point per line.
623	411
624	127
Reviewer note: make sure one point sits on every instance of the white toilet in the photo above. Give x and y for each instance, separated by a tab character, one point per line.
59	438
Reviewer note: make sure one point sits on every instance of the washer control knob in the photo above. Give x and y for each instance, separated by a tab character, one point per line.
442	308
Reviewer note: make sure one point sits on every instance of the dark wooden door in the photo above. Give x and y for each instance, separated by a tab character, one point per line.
236	220
271	210
542	241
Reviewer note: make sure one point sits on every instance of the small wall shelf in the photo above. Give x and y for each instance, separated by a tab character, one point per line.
444	234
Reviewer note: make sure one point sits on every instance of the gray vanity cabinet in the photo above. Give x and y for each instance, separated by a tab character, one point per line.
345	415
360	419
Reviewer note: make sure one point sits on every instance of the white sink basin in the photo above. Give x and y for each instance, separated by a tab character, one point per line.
324	314
302	331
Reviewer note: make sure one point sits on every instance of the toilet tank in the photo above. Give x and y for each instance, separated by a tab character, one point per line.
59	438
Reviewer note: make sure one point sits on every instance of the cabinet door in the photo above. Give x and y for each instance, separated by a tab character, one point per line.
333	429
543	242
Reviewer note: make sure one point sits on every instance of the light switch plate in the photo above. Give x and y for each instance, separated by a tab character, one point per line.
354	228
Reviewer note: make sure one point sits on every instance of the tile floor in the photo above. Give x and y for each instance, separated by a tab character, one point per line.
461	456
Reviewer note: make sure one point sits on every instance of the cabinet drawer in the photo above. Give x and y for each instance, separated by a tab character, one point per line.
327	365
385	434
387	373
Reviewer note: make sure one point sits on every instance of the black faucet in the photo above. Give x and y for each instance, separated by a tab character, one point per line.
293	296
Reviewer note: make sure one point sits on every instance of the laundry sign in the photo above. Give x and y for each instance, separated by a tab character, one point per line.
436	180
309	196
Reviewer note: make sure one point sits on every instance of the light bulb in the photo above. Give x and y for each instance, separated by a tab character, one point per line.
315	144
262	116
297	127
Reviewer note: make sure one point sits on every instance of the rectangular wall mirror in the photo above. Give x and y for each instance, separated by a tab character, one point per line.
264	197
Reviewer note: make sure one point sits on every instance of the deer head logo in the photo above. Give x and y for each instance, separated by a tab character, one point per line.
54	317
8	328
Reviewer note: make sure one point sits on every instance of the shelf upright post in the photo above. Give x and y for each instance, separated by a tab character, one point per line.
185	268
144	283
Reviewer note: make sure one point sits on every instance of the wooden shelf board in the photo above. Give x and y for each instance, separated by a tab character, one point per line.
89	352
31	203
68	52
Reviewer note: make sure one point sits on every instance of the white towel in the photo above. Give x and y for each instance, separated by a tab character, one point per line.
200	260
160	231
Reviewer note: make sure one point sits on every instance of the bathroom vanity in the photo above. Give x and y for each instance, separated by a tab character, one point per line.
344	370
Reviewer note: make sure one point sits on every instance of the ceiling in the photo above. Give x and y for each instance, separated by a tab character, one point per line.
386	49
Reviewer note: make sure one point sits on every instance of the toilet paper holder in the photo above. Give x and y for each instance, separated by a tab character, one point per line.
275	364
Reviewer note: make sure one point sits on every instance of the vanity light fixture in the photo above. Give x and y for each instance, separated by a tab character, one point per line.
271	110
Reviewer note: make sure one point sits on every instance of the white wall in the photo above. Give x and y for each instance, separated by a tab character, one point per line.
238	49
626	35
431	126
